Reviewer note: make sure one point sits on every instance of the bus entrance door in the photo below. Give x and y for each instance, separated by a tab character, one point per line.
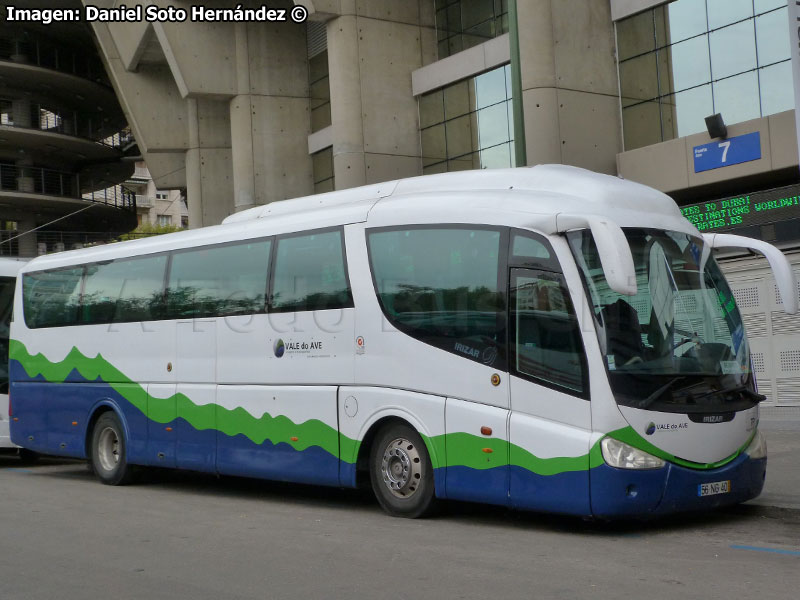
477	452
550	424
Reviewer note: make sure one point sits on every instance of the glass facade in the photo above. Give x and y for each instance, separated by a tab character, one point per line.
462	24
322	162
685	60
319	91
469	124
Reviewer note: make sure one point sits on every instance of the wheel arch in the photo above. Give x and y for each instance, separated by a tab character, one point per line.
384	419
101	407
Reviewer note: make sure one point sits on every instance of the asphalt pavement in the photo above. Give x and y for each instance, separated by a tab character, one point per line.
782	486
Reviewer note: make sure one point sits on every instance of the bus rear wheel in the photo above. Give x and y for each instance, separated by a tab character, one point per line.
109	460
401	472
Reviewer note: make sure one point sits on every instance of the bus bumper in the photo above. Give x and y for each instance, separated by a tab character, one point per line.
672	489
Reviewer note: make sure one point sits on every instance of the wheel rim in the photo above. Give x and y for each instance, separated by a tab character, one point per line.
108	447
401	468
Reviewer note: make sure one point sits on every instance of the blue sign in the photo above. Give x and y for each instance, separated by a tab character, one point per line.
733	151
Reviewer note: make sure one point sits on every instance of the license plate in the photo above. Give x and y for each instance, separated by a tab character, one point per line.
713	488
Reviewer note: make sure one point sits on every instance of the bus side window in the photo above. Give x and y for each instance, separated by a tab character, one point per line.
443	286
52	298
219	281
310	273
123	290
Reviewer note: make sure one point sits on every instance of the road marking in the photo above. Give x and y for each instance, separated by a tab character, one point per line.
773	550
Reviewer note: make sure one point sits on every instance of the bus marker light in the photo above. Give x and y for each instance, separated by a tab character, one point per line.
488	450
74	423
495	379
168	428
16	418
293	438
486	430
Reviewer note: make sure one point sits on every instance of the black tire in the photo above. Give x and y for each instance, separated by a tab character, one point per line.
28	457
401	472
108	457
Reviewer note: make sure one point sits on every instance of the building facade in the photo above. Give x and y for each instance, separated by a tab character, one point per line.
680	62
63	139
156	210
368	91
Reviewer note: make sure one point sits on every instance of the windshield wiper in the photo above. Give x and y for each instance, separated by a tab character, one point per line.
742	389
660	392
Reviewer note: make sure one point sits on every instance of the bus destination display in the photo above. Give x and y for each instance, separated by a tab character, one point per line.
758	208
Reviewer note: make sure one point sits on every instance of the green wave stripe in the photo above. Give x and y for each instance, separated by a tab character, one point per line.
455	449
469	450
630	436
202	417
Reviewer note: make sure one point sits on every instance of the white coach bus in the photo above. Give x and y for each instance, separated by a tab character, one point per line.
9	267
542	338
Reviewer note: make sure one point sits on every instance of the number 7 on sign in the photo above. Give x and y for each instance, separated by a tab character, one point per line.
725	145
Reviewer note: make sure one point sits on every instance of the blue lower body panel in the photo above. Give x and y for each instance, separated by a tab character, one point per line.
566	493
53	419
672	489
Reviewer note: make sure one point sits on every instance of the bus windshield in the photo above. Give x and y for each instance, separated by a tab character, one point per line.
6	303
679	344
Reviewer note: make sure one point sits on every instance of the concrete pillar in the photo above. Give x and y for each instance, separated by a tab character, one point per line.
209	180
349	160
21	111
241	117
372	50
25	180
269	116
569	83
27	242
20	54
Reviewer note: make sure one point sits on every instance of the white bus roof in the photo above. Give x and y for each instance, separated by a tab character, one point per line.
9	267
520	197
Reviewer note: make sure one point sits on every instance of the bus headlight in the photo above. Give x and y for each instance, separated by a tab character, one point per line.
757	447
624	456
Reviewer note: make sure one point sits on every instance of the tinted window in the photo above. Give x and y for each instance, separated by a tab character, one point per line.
546	341
52	298
6	305
310	273
219	280
442	286
124	290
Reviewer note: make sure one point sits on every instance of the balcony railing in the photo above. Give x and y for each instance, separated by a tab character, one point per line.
48	241
141	173
55	120
143	201
25	48
36	180
114	196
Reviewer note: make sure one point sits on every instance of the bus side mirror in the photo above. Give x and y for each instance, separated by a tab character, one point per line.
781	269
612	246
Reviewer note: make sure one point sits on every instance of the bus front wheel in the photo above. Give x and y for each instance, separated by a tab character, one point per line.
108	456
401	472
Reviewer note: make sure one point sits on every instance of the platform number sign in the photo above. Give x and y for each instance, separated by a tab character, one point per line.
733	151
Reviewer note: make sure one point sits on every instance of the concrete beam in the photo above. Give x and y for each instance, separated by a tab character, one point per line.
669	166
625	8
162	130
459	66
212	45
168	169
